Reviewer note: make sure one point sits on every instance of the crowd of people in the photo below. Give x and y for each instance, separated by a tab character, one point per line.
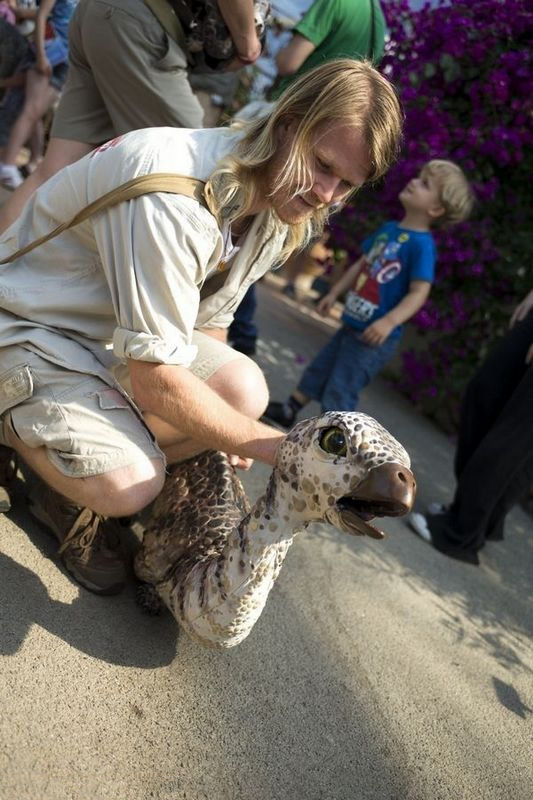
114	347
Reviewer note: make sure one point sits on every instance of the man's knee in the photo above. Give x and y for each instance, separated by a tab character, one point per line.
242	384
125	491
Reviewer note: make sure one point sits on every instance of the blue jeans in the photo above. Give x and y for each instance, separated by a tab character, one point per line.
243	330
342	368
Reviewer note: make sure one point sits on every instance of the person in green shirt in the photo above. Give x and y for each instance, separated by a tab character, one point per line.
331	29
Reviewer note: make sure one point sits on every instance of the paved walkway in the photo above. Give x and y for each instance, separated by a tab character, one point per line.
378	671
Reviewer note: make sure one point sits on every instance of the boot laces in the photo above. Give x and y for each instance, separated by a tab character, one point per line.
86	533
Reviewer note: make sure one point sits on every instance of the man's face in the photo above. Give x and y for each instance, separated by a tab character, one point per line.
339	163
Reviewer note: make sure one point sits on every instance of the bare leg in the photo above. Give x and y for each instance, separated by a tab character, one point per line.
36	145
118	493
60	153
39	97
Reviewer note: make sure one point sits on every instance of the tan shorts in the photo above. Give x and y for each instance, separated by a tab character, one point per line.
124	73
88	427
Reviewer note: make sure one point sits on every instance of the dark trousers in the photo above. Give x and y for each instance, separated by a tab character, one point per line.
494	458
243	330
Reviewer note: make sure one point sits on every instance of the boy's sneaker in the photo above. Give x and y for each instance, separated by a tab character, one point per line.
437	508
8	470
280	413
418	523
89	544
10	177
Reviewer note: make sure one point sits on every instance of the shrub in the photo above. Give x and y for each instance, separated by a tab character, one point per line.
463	73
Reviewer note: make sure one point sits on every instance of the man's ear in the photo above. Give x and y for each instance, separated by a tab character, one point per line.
285	128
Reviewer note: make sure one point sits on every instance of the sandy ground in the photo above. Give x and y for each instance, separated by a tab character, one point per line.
378	670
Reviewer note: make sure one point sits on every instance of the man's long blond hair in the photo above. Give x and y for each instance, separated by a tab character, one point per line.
340	91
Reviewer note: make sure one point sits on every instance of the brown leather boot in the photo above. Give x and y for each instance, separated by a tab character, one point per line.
89	543
8	470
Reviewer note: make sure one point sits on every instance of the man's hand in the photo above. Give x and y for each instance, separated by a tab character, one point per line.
178	398
377	332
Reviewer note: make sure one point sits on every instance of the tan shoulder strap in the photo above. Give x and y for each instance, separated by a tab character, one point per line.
169	20
143	184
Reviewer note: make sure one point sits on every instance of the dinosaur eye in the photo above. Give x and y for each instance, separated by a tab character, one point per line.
333	441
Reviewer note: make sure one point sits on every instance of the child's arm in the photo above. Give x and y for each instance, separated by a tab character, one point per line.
378	331
325	304
44	11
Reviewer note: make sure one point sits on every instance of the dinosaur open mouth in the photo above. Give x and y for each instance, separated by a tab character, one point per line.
367	509
387	491
355	514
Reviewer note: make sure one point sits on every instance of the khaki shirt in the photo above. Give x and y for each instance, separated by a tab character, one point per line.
125	283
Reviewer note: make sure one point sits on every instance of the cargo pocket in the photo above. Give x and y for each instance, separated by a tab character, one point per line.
112	399
16	386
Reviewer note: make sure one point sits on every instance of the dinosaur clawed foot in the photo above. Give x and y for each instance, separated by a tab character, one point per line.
147	598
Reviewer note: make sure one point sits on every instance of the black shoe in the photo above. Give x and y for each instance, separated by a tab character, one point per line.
281	414
8	471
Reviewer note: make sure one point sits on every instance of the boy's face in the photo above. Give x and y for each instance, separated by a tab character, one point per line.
422	194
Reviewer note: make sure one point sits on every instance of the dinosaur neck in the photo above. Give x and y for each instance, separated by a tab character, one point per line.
270	522
220	598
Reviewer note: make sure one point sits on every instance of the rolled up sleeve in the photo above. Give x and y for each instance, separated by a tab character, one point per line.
156	251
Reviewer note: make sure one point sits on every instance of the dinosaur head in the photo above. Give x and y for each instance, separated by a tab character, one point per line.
346	469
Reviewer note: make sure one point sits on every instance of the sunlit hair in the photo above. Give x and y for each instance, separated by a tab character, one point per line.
339	91
455	193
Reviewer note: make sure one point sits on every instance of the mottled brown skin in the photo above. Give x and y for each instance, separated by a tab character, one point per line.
213	562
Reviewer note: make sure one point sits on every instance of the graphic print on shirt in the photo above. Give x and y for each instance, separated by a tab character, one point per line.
381	265
106	146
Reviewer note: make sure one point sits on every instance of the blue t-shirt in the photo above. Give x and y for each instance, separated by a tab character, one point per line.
60	17
394	256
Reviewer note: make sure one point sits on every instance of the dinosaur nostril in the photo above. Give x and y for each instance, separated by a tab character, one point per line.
402	477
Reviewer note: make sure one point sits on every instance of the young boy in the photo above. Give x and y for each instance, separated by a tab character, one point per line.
389	283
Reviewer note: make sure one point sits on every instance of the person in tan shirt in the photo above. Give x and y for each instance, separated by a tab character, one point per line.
111	364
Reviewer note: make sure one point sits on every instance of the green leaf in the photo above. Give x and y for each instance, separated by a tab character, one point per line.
450	67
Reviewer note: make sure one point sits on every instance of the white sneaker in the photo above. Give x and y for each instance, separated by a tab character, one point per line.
418	523
26	27
437	508
10	177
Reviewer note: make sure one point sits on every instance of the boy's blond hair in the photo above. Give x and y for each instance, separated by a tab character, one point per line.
455	193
